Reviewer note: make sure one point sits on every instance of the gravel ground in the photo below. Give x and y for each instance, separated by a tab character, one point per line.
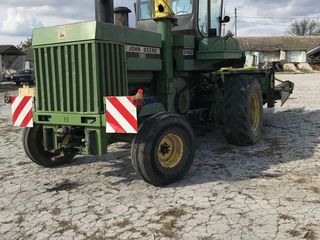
268	191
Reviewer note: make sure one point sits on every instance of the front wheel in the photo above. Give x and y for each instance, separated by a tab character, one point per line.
163	150
32	140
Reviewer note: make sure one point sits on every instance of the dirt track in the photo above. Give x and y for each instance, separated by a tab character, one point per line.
269	191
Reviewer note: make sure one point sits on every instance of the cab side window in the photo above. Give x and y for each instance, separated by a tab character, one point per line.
215	13
203	17
182	7
145	13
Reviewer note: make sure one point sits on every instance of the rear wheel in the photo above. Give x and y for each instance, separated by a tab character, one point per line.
243	110
32	140
163	150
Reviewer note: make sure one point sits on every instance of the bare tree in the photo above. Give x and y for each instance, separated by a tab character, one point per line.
25	44
304	27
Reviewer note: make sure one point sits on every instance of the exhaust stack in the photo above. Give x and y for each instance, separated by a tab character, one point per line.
122	16
104	11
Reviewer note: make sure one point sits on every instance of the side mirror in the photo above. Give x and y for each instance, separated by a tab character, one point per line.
226	19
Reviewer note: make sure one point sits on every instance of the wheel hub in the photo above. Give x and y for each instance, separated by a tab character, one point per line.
255	112
170	151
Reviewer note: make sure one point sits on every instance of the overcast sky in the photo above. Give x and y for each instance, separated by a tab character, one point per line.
256	17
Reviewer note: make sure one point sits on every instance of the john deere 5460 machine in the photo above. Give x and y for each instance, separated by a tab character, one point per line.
98	83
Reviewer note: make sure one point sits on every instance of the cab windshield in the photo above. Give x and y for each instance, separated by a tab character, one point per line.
179	7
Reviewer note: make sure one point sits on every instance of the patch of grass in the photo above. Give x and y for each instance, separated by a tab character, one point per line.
20	219
42	210
301	180
174	212
315	189
286	217
66	185
294	233
289	199
123	224
23	163
65	226
97	237
304	233
169	229
214	194
55	211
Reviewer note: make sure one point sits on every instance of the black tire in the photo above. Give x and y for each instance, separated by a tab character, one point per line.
242	124
148	145
32	139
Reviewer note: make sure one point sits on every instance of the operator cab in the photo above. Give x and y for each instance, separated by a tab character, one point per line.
200	18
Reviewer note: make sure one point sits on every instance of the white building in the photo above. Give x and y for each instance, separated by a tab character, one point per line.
285	49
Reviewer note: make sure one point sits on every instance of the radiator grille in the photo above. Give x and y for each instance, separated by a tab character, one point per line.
74	78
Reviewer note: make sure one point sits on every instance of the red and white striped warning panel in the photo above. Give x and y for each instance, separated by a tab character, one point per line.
21	108
121	115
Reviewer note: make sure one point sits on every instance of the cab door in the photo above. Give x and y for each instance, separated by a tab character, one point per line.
209	17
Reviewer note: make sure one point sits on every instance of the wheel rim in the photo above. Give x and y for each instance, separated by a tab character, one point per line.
255	112
170	151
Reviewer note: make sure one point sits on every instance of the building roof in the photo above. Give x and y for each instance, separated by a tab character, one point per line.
29	53
10	50
314	52
285	43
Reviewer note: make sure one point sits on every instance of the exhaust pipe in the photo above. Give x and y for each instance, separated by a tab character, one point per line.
122	16
104	11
